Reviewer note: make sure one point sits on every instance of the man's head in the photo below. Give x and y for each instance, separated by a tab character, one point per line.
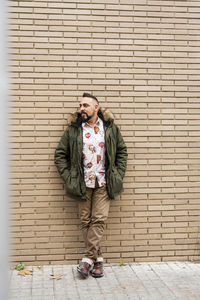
89	106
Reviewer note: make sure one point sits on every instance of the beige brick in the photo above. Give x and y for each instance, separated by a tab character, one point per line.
24	258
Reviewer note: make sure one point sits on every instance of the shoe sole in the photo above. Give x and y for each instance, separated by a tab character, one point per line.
97	276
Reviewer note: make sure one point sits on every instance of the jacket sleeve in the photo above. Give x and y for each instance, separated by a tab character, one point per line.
62	156
121	154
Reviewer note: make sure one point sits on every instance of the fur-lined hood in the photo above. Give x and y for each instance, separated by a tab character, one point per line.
105	114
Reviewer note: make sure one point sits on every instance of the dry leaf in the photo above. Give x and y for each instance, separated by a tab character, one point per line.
56	276
25	272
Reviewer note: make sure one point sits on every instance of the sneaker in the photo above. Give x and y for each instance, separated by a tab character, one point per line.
84	268
97	270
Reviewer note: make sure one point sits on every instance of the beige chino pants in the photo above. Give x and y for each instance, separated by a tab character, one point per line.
93	214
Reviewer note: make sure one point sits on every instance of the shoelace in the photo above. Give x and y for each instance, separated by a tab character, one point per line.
97	265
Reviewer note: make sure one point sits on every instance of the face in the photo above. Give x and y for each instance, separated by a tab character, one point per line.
88	109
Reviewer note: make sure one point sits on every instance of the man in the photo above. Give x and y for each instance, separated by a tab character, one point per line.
91	158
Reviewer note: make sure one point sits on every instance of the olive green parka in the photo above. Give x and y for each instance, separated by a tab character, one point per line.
69	157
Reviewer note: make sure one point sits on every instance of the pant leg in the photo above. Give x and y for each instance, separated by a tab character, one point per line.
85	212
99	215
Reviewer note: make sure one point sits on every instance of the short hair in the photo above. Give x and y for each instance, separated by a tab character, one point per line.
90	96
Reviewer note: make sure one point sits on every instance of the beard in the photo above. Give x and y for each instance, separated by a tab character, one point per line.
86	118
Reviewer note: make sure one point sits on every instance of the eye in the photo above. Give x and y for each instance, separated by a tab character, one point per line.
84	105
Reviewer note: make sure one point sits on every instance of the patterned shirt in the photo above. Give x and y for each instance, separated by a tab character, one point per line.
94	153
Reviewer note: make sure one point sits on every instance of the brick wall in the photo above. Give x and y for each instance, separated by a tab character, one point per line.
141	58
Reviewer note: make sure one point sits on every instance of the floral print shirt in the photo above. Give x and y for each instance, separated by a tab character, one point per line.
94	153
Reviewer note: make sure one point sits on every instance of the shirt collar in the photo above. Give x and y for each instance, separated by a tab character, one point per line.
86	124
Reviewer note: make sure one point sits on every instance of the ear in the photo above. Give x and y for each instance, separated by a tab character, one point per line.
96	107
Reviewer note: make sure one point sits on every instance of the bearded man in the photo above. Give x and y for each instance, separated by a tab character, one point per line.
91	158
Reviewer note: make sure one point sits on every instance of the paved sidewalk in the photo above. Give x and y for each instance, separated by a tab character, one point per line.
144	281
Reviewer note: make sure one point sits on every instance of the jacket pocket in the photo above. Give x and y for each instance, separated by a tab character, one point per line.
116	184
72	184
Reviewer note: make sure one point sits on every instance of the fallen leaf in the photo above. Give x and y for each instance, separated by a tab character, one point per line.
25	272
56	276
123	287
